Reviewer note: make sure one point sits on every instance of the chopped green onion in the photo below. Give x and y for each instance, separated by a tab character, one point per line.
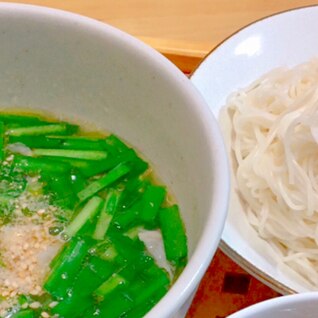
42	130
133	190
78	181
133	232
101	183
23	314
90	209
61	190
59	256
67	267
106	214
91	275
115	145
151	202
143	291
40	141
99	193
72	305
79	142
94	272
127	218
38	165
20	120
60	142
68	153
133	251
109	285
173	233
116	305
109	254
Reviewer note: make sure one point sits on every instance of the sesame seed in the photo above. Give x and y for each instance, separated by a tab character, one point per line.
26	250
13	293
25	246
53	304
41	211
35	305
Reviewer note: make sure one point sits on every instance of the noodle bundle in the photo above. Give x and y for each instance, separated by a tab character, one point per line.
274	143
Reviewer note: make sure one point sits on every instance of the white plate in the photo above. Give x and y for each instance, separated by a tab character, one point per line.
285	39
293	306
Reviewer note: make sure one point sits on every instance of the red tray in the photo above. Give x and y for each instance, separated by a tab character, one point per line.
225	289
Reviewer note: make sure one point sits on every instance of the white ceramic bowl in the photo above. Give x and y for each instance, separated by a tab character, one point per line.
285	39
81	69
303	305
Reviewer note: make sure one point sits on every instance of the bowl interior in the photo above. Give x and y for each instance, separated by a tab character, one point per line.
82	70
284	39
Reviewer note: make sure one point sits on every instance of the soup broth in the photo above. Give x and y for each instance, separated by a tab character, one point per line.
86	230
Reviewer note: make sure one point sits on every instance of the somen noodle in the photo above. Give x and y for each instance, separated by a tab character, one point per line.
274	143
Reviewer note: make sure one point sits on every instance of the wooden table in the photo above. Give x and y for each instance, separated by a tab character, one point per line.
185	31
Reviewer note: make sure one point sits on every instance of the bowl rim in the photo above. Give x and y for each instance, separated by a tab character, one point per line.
207	244
226	248
276	303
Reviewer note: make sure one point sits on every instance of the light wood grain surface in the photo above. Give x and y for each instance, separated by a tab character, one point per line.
184	30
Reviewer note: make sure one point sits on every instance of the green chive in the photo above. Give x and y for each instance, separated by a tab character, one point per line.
90	209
